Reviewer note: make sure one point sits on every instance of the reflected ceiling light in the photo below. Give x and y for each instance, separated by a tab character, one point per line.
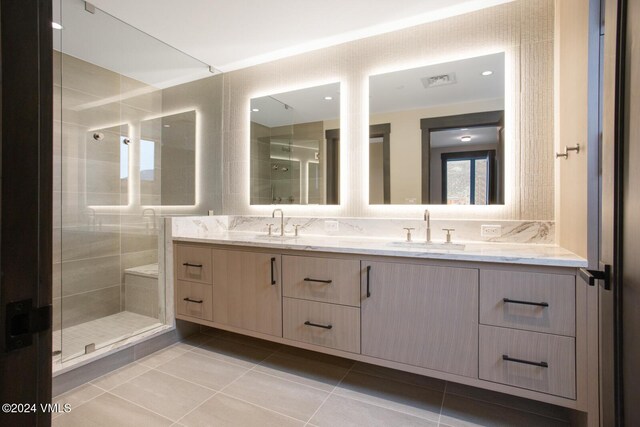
328	98
255	110
465	138
167	126
56	26
487	73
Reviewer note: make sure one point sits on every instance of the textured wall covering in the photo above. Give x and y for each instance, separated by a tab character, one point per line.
522	29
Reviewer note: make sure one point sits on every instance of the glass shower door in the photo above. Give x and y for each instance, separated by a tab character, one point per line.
111	81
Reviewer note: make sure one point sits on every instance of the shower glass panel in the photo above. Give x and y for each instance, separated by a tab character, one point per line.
110	81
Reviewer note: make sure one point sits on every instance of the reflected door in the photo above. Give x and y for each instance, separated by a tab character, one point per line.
466	178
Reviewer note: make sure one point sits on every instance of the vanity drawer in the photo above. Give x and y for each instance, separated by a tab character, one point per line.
530	301
500	346
194	300
327	325
193	263
322	279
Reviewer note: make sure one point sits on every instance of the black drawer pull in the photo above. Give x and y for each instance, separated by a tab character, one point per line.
273	266
515	301
317	325
506	358
368	277
308	279
193	300
188	264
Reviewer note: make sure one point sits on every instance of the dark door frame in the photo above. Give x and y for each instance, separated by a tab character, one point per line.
428	125
384	131
333	166
26	122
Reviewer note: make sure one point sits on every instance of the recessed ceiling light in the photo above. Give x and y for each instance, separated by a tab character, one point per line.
465	138
487	73
328	98
255	110
56	26
167	126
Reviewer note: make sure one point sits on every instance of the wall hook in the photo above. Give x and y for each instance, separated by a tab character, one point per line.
566	151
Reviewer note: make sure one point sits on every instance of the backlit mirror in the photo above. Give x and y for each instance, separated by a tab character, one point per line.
168	160
295	140
436	134
107	166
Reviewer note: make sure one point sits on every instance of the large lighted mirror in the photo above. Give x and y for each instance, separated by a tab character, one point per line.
168	160
107	166
295	140
437	134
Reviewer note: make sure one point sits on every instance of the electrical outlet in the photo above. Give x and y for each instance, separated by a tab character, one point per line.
331	226
491	231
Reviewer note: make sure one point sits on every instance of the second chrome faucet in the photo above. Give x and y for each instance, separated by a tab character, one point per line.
427	219
273	215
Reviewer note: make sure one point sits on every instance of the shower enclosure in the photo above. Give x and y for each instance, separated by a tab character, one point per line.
128	125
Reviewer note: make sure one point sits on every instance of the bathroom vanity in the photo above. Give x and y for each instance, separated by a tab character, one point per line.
506	317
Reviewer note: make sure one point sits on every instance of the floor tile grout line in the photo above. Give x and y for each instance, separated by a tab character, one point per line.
196	407
444	393
140	406
259	406
122	368
330	394
88	400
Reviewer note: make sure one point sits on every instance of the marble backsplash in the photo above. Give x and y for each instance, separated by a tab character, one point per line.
539	232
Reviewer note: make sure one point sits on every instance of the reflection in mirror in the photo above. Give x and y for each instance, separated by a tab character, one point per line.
168	160
295	141
107	166
437	134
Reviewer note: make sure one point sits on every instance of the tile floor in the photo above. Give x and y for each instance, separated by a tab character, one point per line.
222	379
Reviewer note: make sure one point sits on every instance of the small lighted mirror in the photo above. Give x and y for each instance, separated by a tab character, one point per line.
168	160
295	147
437	134
107	166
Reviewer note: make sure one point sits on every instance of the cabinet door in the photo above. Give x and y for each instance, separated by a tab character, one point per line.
247	290
421	315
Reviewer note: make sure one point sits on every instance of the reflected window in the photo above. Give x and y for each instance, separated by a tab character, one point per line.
465	178
147	160
124	158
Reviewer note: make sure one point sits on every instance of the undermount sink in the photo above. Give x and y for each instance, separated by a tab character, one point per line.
427	246
274	238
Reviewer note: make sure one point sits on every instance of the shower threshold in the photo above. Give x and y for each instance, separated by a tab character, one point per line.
107	333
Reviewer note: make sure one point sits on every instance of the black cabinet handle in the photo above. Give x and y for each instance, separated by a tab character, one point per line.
506	358
273	267
317	325
515	301
308	279
192	265
368	281
193	300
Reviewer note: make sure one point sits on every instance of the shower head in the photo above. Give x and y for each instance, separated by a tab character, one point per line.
98	136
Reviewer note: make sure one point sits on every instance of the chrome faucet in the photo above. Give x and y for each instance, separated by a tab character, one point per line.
427	219
273	215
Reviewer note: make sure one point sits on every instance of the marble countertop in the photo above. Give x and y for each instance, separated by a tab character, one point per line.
510	253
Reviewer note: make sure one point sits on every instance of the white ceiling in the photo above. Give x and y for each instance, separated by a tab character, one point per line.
229	35
404	90
451	137
303	106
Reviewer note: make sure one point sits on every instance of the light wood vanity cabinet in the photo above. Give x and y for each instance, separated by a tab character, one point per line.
421	315
247	290
193	290
509	328
329	280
